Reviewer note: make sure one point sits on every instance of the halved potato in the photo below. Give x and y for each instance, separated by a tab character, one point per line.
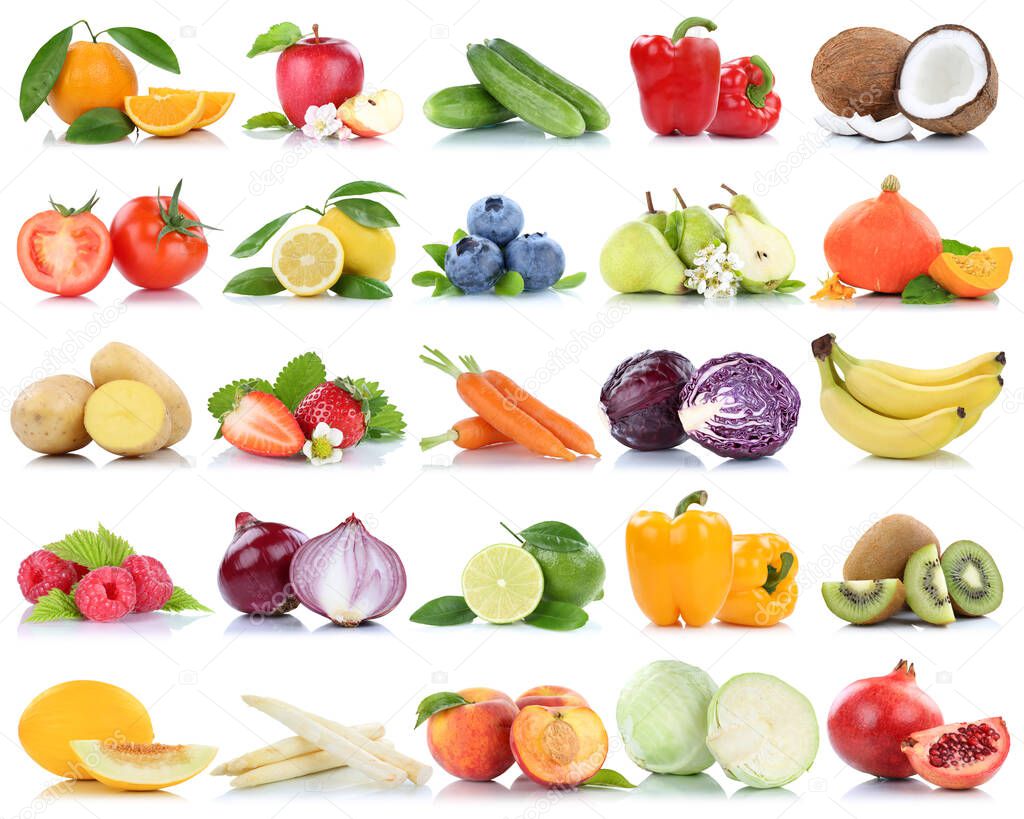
128	418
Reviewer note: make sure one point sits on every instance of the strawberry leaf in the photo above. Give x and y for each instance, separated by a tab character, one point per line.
223	401
54	605
383	420
298	378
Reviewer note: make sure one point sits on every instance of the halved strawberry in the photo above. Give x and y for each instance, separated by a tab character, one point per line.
261	424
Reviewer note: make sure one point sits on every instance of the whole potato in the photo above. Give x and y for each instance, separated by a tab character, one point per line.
49	415
119	362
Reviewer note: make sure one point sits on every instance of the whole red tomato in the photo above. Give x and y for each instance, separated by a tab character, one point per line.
65	251
158	241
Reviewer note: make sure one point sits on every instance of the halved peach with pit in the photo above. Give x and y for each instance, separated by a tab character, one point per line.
559	747
550	696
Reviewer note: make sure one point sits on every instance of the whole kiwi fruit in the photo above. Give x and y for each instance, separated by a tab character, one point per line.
884	549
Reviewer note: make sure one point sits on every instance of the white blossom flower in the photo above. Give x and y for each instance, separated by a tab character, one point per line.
321	121
324	445
715	273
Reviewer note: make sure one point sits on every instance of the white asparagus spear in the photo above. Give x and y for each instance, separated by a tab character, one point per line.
284	749
326	739
287	769
417	772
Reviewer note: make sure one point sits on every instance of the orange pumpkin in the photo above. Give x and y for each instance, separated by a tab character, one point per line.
973	275
881	244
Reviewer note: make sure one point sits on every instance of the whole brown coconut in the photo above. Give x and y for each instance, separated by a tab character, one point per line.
972	113
855	72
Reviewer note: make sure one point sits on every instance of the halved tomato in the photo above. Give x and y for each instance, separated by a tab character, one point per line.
65	251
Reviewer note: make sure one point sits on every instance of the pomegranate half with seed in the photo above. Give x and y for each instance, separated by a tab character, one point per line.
961	755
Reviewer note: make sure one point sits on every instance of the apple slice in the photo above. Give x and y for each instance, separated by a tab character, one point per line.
370	115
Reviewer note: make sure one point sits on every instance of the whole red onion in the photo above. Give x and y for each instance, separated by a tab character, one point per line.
254	574
347	575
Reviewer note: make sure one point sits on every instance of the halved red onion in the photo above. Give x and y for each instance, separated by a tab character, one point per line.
347	575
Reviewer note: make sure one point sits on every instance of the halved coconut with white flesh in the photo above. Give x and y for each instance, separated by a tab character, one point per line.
947	81
889	129
834	124
763	732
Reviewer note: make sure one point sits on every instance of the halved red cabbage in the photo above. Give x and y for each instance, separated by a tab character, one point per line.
740	406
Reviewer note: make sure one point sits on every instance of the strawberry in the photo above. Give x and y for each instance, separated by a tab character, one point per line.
332	404
261	424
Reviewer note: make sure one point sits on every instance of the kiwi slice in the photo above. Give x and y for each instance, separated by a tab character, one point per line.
927	593
864	602
973	579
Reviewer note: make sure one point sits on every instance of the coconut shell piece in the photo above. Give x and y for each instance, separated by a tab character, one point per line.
969	115
855	72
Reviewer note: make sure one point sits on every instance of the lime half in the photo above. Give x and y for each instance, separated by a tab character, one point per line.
503	583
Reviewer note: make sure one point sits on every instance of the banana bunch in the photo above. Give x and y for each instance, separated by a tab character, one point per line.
902	412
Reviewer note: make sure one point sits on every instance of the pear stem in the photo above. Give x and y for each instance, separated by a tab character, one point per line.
650	202
679	196
729	190
720	206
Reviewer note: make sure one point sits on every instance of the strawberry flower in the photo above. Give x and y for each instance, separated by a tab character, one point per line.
321	121
324	445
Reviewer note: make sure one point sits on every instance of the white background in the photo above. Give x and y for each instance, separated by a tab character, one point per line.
440	508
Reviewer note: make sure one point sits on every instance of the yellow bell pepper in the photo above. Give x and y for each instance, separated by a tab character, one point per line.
764	589
680	566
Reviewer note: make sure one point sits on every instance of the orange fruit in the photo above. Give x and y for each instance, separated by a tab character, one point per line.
166	114
217	104
95	75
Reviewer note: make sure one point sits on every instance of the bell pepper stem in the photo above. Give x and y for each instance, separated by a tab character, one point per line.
757	94
691	22
700	498
776	576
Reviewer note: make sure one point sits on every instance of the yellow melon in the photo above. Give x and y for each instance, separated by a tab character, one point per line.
141	767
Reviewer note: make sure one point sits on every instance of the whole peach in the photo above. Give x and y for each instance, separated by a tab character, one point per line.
472	741
550	696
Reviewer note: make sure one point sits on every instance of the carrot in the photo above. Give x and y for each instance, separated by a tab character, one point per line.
488	402
568	432
469	433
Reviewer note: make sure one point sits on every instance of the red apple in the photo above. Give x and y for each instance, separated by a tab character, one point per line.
315	71
370	115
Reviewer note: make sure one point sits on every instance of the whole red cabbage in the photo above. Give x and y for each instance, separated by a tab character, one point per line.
641	399
740	406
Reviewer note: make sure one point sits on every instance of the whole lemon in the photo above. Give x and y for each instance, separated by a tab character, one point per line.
369	252
95	75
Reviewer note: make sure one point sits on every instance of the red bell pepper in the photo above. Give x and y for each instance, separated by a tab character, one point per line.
678	78
747	105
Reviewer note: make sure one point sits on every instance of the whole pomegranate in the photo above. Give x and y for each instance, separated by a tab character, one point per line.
871	717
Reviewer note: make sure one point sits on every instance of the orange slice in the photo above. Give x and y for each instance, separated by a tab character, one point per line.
166	114
217	103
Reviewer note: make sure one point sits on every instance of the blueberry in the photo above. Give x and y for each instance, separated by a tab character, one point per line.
474	264
538	259
497	218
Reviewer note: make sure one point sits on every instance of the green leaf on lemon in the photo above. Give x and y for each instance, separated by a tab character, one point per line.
256	281
277	38
450	610
298	378
253	244
367	212
557	616
361	187
42	72
441	701
152	48
100	126
352	286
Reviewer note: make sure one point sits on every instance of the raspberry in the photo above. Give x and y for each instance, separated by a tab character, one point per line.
153	585
337	408
105	594
42	571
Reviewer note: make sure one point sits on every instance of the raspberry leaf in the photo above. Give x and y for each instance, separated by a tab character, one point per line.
181	600
92	549
384	422
299	378
54	605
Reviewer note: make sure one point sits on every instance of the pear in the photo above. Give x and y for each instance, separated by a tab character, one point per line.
658	218
741	203
637	259
698	228
767	256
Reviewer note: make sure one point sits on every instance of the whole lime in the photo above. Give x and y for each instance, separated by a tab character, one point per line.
570	577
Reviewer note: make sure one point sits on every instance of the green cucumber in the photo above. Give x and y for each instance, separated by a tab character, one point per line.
595	115
531	101
465	106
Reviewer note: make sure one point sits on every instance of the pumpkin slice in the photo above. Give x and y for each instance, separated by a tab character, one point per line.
136	767
166	114
976	274
217	103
